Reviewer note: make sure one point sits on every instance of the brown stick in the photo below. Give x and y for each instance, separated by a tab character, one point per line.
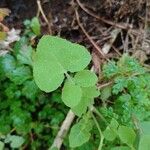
63	130
40	9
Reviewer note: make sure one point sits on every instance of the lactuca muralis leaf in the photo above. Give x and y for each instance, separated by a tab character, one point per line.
86	78
54	57
71	94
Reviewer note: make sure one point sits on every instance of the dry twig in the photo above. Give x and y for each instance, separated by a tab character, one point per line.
40	9
63	130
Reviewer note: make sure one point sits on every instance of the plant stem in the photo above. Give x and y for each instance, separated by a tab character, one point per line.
100	132
99	114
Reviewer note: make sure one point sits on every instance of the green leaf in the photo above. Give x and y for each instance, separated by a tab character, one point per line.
19	75
88	95
15	141
126	135
121	148
110	133
145	127
82	106
90	92
30	90
8	63
144	143
106	93
35	26
25	55
85	78
80	133
54	57
71	94
1	145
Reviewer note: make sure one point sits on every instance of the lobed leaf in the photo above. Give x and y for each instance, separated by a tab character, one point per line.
54	57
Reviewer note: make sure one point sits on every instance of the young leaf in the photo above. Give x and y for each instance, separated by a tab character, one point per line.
85	78
106	93
71	94
88	95
121	148
82	106
126	135
1	145
35	26
144	143
80	133
19	75
111	131
54	57
15	141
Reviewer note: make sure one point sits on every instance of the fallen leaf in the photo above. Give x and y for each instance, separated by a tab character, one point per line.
3	13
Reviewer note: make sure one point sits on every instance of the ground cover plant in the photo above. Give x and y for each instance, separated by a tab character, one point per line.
75	76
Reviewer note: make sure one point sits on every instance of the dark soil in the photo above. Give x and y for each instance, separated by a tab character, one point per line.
61	15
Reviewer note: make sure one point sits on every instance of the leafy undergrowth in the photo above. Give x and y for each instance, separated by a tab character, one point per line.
114	116
27	117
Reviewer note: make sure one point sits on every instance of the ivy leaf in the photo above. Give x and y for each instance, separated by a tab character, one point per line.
85	78
54	57
126	135
35	26
80	133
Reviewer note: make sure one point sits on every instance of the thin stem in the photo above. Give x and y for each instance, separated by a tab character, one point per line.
100	132
99	114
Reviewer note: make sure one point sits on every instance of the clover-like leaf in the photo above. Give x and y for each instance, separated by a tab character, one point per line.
86	78
54	57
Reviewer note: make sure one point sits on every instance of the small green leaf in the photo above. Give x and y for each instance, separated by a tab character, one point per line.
80	133
144	143
35	26
90	92
126	135
111	131
106	93
82	106
121	148
1	145
25	55
30	90
14	140
85	78
19	75
71	94
88	95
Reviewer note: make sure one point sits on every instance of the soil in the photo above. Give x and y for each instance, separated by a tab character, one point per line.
108	15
